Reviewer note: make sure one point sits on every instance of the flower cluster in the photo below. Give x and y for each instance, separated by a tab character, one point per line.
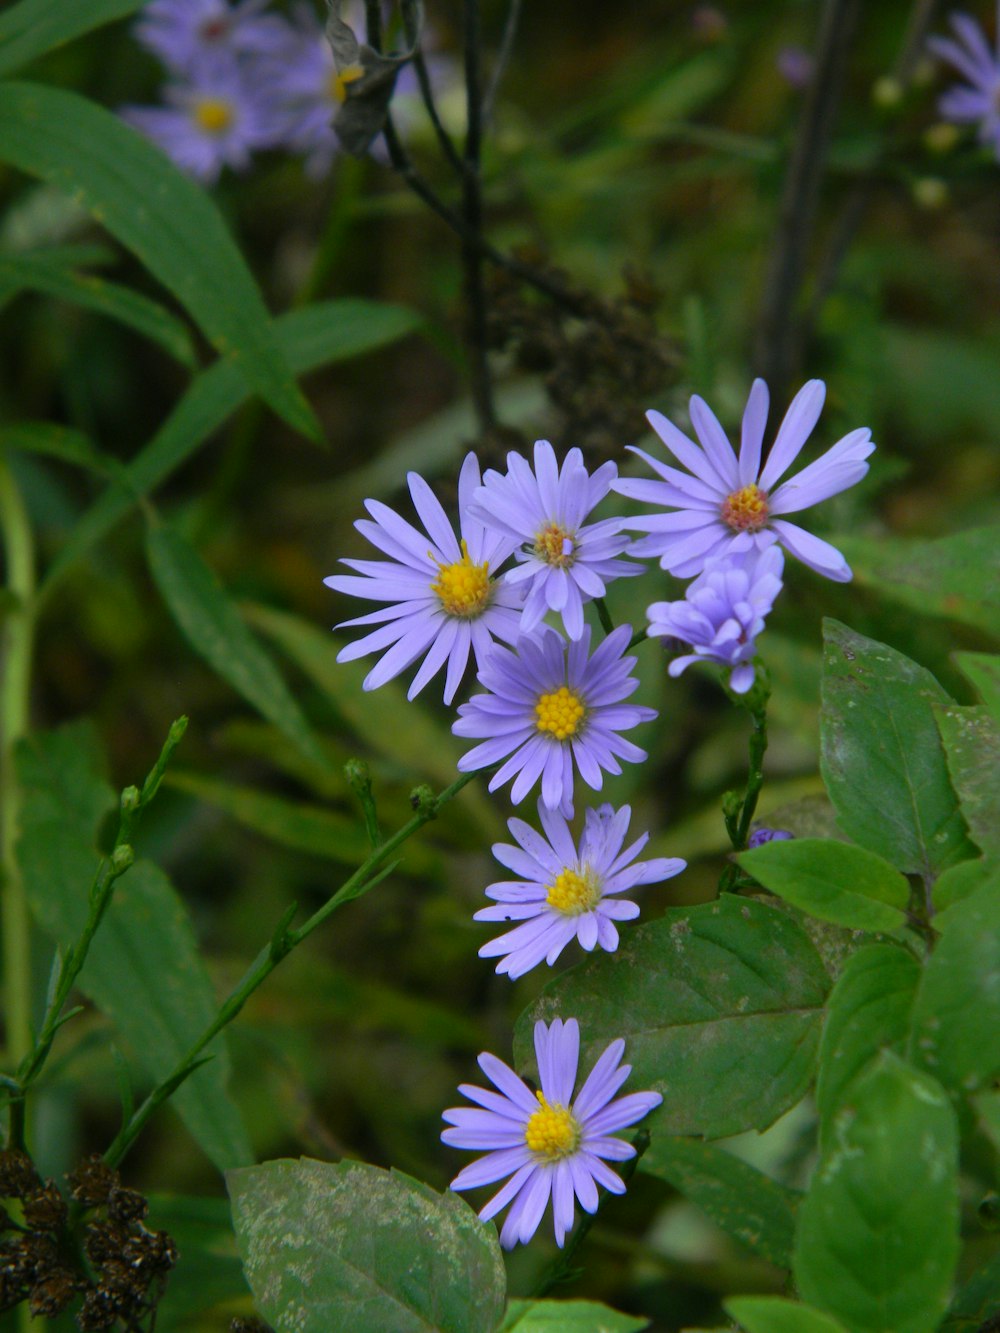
552	707
242	80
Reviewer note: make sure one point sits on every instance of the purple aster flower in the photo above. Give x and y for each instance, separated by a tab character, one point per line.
722	612
210	123
724	503
565	891
188	34
550	707
979	98
762	835
549	1144
795	65
562	562
441	597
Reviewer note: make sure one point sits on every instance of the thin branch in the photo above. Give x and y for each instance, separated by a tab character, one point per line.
502	60
777	331
472	203
427	92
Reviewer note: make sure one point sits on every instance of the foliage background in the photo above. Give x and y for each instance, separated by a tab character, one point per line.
625	139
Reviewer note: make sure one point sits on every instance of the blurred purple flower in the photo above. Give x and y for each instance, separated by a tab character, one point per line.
709	22
551	707
547	1143
795	65
762	835
442	598
566	892
722	612
979	98
563	562
210	123
188	34
723	503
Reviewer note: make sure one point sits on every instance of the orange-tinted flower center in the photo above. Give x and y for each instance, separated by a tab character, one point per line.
746	510
555	545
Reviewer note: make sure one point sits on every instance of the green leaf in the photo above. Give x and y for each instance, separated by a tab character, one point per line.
31	28
956	1015
882	758
305	828
878	1230
218	633
957	577
833	881
868	1011
720	1006
971	740
568	1317
976	1302
159	214
143	969
983	671
773	1314
37	273
209	1274
959	883
69	446
738	1198
325	333
346	1245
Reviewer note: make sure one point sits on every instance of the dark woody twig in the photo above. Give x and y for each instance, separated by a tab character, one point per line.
502	60
482	387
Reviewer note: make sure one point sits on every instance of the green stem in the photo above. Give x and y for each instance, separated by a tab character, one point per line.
19	551
562	1268
350	175
281	945
604	615
738	811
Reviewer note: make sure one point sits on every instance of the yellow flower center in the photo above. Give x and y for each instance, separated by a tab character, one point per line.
553	1132
339	80
573	893
213	115
463	588
555	545
559	713
746	510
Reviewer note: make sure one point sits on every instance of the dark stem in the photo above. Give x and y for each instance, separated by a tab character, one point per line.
778	330
503	59
562	1268
472	204
604	615
427	92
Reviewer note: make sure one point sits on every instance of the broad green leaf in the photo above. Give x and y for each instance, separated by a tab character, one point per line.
868	1011
217	632
959	883
987	1108
956	1015
394	726
568	1317
882	757
720	1006
832	880
878	1230
977	1302
345	1245
971	740
306	828
69	446
957	576
773	1314
742	1201
35	273
29	29
324	333
983	671
159	214
143	969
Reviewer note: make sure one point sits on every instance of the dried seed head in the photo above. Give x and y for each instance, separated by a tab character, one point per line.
18	1176
126	1205
51	1296
45	1208
92	1181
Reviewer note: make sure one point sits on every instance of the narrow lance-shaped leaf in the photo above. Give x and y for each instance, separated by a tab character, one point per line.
322	334
143	969
31	28
346	1245
882	758
878	1229
720	1006
216	630
162	216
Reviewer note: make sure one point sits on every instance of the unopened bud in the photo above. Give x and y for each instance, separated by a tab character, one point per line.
761	835
422	798
923	72
121	858
941	138
887	93
930	193
130	800
358	775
